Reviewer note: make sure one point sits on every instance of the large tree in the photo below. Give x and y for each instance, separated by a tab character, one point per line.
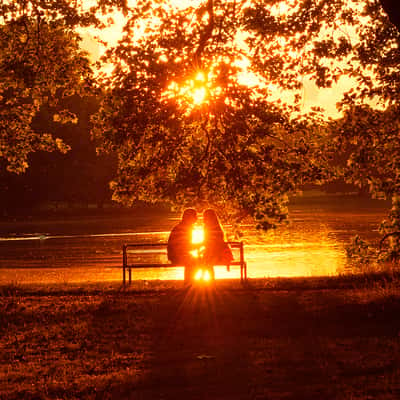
203	105
194	122
194	106
41	62
357	39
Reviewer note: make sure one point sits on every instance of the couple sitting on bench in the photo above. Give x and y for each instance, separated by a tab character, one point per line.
204	253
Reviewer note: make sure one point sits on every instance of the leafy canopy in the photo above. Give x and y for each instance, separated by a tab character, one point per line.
203	104
189	111
40	63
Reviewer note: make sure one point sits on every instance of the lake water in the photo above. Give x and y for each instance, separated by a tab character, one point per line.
89	248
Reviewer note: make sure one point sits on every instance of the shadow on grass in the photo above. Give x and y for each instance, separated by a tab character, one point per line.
218	342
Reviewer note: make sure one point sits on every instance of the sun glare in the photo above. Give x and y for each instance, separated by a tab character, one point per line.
197	238
198	235
199	90
206	276
202	275
200	76
199	95
198	275
193	92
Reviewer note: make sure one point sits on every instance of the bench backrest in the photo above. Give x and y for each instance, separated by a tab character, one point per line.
146	246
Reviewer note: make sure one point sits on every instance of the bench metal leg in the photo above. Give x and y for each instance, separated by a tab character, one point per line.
242	263
124	262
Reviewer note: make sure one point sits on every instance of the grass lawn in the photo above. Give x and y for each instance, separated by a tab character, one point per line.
332	338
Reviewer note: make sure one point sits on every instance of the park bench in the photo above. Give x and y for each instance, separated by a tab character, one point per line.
128	266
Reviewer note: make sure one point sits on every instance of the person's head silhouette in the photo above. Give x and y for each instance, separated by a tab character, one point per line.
189	216
210	219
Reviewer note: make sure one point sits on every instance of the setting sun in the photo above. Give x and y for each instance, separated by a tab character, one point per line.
194	91
199	95
199	90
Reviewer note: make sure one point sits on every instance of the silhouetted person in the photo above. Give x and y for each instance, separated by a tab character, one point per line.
217	251
180	243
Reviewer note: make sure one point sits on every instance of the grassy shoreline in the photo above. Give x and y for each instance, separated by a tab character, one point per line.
345	281
277	338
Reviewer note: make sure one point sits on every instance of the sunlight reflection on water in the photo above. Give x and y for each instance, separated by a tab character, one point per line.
313	244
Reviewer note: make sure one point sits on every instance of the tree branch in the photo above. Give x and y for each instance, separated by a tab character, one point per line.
387	236
206	34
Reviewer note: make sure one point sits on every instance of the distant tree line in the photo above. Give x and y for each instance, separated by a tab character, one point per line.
77	178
